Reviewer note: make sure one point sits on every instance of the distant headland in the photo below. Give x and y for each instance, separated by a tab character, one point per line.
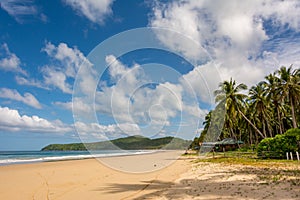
129	143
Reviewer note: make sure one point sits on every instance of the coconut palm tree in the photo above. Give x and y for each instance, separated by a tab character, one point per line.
260	106
213	124
230	94
290	89
271	84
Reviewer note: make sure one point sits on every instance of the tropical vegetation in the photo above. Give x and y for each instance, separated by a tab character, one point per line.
278	146
267	109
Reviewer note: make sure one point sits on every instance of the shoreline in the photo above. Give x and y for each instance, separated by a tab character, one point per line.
184	178
88	155
87	178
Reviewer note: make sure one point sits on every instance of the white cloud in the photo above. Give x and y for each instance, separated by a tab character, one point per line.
65	105
69	58
11	120
201	81
283	51
282	12
105	132
183	21
231	31
66	63
131	100
9	60
79	105
114	99
95	10
19	9
30	82
28	98
56	78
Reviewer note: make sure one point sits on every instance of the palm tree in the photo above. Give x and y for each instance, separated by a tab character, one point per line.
271	85
248	129
260	106
271	107
207	120
206	123
290	89
213	124
229	94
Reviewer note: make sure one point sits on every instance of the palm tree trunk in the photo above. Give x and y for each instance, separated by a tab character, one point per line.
293	114
270	130
255	128
279	121
264	128
250	137
232	133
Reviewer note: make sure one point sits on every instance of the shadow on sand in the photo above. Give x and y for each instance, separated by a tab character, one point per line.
248	183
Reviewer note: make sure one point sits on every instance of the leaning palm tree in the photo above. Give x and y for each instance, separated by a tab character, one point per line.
230	94
290	89
213	124
261	107
207	120
271	84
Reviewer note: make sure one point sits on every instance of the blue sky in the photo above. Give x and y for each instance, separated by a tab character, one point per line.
47	46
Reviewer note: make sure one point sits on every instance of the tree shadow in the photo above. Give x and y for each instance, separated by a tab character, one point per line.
223	185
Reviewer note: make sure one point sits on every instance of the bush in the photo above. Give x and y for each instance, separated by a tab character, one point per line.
278	146
293	133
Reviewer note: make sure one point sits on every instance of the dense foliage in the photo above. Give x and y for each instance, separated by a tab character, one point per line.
269	108
277	146
128	143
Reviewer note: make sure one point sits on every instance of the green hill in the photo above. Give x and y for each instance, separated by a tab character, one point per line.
128	143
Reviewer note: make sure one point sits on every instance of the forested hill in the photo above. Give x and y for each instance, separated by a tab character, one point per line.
128	143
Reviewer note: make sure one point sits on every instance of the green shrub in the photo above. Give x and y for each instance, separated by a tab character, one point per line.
278	146
294	133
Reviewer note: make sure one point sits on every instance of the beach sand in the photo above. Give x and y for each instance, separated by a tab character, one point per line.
183	179
210	181
89	178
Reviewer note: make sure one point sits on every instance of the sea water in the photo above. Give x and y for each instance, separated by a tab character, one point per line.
20	157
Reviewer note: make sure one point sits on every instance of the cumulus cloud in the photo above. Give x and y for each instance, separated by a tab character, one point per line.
105	132
56	78
129	96
79	105
232	32
30	82
66	63
11	120
95	10
28	98
133	100
9	61
197	82
69	58
65	105
113	99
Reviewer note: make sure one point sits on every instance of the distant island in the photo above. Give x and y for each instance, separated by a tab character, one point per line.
128	143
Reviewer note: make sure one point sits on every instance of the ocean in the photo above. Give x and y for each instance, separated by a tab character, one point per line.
22	157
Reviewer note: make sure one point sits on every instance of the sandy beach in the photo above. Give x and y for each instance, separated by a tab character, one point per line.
183	179
206	180
89	178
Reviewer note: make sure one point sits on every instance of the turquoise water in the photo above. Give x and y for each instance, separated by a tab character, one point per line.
19	157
